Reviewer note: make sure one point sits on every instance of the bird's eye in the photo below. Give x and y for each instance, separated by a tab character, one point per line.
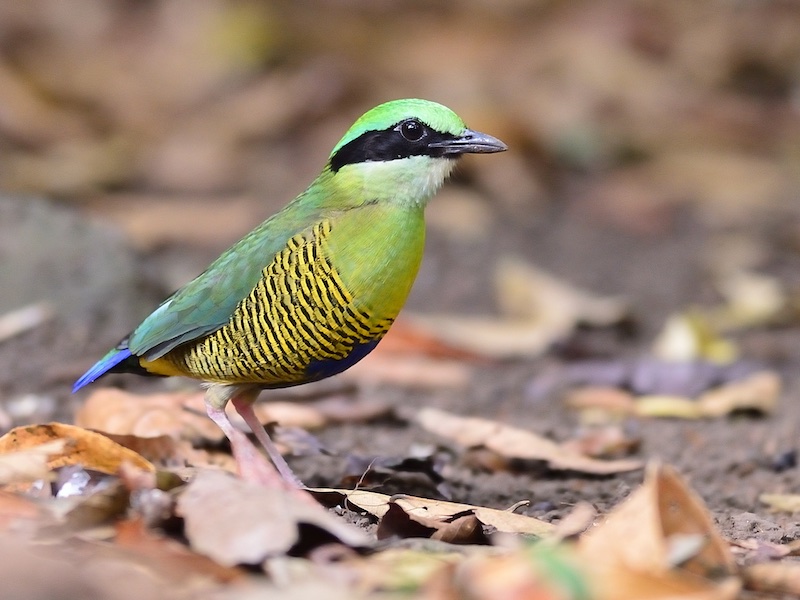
412	130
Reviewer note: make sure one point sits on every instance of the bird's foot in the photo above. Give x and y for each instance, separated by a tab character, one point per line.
251	463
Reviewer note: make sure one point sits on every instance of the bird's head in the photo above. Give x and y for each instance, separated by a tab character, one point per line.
404	149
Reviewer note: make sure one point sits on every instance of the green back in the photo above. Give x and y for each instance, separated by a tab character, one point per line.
207	302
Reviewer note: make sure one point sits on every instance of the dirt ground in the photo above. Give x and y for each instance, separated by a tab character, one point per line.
728	461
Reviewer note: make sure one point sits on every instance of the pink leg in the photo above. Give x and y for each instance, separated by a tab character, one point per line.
251	463
244	406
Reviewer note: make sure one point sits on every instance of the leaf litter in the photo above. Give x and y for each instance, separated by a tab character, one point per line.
132	513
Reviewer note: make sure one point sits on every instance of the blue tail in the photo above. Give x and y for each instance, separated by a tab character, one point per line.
102	366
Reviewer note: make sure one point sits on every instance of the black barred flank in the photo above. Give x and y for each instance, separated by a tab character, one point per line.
299	313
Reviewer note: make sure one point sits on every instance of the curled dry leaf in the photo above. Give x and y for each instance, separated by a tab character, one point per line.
90	449
538	310
670	540
512	442
460	528
235	522
378	504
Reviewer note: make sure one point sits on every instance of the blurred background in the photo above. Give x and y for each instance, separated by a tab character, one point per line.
651	145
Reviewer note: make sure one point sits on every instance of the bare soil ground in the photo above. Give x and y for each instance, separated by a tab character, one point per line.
729	461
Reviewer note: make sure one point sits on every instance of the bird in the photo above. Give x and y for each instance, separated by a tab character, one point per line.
313	289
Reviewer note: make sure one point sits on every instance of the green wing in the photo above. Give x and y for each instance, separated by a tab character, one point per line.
206	303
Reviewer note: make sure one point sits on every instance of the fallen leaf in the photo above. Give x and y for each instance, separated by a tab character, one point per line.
752	299
16	509
28	464
236	522
406	338
408	371
513	442
378	504
82	447
344	409
690	336
781	502
460	528
608	441
649	376
168	557
774	578
757	392
671	543
578	520
538	310
289	414
178	415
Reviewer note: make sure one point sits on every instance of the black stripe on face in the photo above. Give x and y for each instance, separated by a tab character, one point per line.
407	138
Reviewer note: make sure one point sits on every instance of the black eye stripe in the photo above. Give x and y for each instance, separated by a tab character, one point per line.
389	144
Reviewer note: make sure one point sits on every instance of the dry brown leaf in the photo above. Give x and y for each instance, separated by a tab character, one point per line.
345	409
781	502
377	504
29	464
667	406
759	392
513	442
670	544
538	310
178	415
15	509
408	371
289	414
578	520
752	299
406	338
773	578
607	441
460	528
83	447
168	557
236	522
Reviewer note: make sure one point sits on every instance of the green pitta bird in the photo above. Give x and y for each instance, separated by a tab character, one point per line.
314	288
